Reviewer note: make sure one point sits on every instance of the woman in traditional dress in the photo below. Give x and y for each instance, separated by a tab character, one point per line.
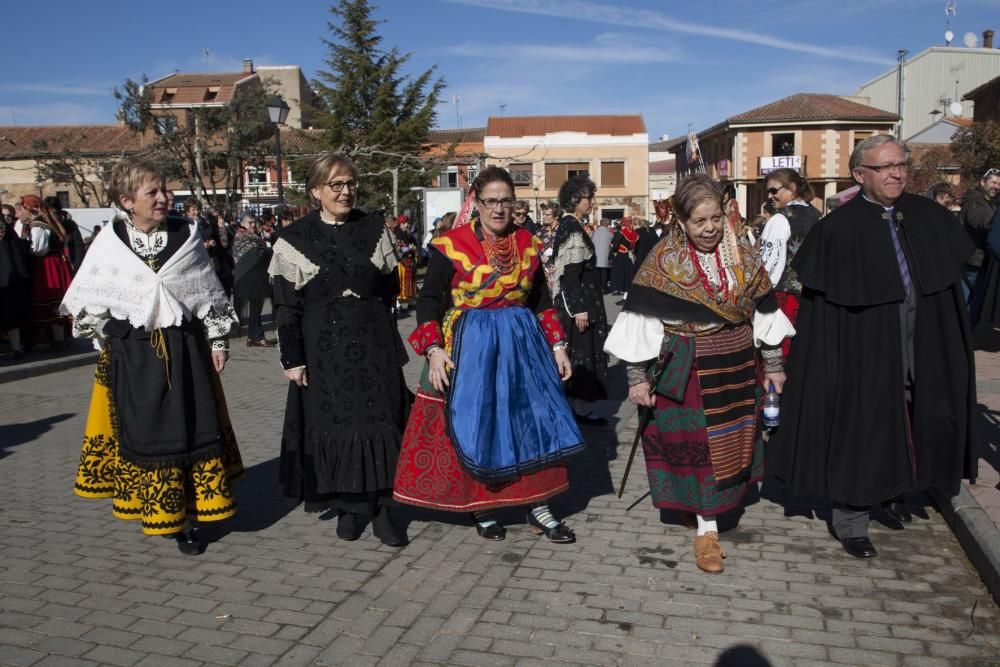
335	282
789	194
490	427
579	300
623	264
158	438
406	251
551	214
251	257
686	335
52	269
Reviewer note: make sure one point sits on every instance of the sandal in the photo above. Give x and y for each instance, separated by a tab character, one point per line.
560	533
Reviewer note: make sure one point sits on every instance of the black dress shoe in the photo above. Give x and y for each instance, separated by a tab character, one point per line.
590	421
188	542
349	527
494	531
898	510
560	533
386	531
859	547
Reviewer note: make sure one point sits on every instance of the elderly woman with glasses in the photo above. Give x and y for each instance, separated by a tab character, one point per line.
490	427
578	296
335	282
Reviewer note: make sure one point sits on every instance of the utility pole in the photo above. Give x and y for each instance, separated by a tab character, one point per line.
899	93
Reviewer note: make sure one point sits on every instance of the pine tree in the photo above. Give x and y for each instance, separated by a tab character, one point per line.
369	109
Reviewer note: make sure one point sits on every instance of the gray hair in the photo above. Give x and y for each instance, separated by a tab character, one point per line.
871	143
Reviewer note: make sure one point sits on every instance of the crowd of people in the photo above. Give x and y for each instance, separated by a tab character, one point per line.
857	320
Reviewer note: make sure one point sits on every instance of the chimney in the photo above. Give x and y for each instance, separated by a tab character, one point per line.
247	66
987	39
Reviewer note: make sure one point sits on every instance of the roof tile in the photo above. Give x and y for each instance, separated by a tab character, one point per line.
812	106
536	126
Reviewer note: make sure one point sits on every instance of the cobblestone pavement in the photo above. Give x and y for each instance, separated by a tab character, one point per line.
276	586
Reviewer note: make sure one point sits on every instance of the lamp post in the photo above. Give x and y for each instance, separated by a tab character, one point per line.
277	110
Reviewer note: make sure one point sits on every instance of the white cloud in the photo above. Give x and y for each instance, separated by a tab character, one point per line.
654	20
606	49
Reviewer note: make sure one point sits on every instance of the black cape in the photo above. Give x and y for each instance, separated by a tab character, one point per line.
846	426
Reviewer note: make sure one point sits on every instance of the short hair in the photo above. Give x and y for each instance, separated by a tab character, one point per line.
940	188
489	175
127	176
320	170
521	205
790	177
574	189
445	223
190	203
858	155
604	222
692	191
552	206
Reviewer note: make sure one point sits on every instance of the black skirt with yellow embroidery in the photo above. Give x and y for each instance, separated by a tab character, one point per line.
162	496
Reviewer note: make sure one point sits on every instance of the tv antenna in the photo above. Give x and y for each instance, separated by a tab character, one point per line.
458	110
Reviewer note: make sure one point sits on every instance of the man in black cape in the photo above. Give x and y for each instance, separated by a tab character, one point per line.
880	396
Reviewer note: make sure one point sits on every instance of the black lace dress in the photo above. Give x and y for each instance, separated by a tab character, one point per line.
578	289
334	286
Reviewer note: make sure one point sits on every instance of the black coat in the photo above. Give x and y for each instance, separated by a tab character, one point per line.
845	421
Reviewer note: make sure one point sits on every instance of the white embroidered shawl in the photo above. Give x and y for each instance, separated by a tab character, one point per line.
113	280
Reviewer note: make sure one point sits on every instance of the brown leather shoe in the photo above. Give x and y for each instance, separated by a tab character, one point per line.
708	552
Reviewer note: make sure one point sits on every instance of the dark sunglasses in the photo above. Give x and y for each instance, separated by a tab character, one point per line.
774	191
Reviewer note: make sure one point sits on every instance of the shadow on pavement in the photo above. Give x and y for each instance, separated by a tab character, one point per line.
989	432
258	500
12	435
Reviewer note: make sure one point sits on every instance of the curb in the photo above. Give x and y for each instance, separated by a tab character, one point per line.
46	366
976	532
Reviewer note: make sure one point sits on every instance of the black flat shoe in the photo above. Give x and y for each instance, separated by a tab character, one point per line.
898	510
348	526
859	547
560	534
386	531
494	531
188	542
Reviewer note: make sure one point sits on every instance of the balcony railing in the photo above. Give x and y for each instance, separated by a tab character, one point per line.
269	189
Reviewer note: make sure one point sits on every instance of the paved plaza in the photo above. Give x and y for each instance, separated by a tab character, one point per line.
276	586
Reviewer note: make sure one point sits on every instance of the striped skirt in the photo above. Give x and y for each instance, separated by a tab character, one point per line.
702	452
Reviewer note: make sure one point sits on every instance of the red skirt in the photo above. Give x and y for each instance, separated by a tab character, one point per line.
52	279
789	305
429	473
407	280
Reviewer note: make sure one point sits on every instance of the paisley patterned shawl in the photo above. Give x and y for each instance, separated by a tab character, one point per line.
669	271
476	284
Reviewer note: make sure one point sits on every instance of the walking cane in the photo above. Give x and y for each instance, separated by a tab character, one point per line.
645	416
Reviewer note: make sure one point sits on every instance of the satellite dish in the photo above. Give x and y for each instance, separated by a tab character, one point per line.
970	40
955	108
948	36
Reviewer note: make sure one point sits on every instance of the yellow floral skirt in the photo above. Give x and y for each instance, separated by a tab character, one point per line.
163	498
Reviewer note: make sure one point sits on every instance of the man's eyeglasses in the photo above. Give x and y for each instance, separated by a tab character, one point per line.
774	191
506	202
990	172
879	168
338	186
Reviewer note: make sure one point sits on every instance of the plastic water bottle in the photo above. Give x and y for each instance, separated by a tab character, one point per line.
772	408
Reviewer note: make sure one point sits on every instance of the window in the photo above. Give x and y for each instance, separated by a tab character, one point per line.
521	173
168	95
861	136
63	196
256	175
472	172
557	173
783	144
166	124
211	94
613	174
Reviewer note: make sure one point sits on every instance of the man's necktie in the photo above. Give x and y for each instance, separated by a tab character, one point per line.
904	267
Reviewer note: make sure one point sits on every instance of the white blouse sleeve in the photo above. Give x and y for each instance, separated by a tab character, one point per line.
774	246
771	328
635	338
39	241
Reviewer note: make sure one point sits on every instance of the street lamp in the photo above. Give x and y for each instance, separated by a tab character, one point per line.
277	110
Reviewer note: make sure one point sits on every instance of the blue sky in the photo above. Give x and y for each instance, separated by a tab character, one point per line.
674	62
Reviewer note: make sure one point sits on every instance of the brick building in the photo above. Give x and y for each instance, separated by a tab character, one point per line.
811	133
541	152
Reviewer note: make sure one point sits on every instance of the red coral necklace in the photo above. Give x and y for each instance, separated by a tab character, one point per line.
720	295
501	251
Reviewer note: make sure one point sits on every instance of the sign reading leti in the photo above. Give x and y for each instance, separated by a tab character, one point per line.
769	164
